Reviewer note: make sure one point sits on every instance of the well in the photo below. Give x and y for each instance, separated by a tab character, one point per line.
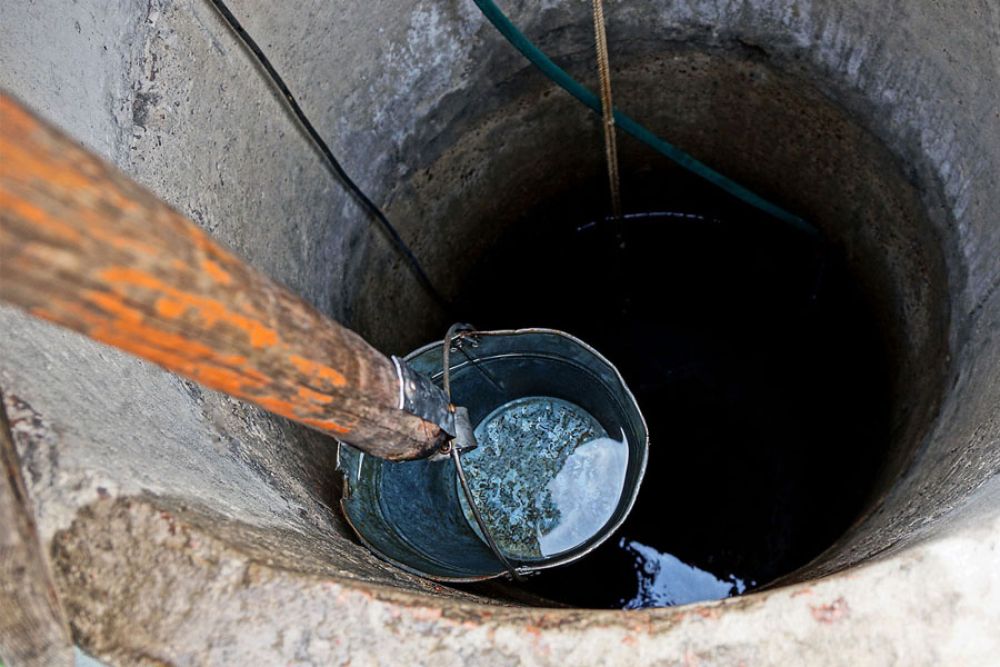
185	527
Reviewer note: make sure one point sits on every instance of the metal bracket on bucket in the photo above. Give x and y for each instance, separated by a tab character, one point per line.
418	395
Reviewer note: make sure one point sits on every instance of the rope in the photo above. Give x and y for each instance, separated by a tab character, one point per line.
607	109
324	150
558	75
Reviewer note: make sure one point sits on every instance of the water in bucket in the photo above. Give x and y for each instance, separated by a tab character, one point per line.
545	476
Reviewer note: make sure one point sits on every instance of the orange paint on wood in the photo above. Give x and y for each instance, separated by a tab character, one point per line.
211	310
227	380
307	394
318	370
39	218
113	304
326	425
166	307
216	272
124	242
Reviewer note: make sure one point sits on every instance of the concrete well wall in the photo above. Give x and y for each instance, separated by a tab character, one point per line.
187	528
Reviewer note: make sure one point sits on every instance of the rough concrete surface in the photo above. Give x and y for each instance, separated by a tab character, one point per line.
934	604
187	528
33	627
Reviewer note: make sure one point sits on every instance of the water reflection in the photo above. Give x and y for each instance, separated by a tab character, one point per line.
585	493
664	580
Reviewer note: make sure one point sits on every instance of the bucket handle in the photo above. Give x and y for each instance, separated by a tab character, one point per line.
465	440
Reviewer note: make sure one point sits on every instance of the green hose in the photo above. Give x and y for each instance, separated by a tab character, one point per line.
626	123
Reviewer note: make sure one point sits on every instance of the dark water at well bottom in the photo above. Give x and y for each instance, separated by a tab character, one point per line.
757	365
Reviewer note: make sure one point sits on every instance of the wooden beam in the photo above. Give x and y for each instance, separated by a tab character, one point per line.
85	247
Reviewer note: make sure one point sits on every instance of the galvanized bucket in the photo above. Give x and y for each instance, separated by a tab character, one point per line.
562	448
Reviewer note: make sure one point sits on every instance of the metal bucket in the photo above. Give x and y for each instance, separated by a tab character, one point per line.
562	448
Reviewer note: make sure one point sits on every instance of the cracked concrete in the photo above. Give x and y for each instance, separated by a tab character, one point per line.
187	528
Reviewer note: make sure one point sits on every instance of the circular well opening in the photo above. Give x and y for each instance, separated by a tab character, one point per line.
758	365
786	380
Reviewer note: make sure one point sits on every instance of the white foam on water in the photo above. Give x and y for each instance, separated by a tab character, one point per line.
586	492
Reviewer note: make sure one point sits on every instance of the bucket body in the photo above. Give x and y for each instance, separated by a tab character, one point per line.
562	451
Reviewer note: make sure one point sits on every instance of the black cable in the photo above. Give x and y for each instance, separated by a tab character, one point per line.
325	151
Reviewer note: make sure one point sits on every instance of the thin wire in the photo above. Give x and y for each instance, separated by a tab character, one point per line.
483	528
607	109
475	364
331	161
454	330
